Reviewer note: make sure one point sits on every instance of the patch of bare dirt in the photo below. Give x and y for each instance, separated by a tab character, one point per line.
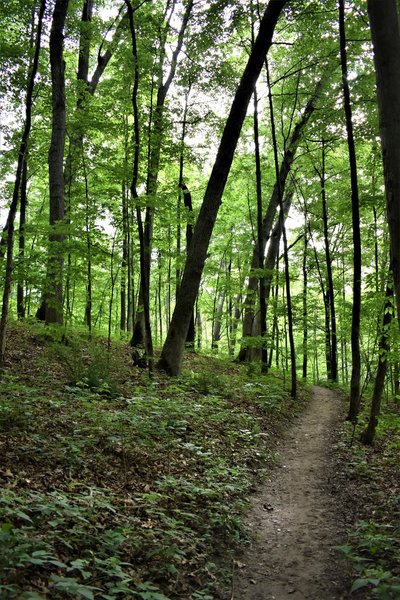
298	516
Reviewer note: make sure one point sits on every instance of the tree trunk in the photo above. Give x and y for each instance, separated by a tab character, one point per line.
144	281
286	164
154	154
305	311
367	437
233	326
21	241
17	184
329	288
187	200
269	269
89	303
181	190
385	29
275	325
54	278
172	353
124	261
216	329
260	241
354	406
293	388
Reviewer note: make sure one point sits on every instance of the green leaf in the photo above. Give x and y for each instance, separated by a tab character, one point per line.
359	583
72	586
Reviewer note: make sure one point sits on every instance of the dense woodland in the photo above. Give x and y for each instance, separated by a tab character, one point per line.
188	177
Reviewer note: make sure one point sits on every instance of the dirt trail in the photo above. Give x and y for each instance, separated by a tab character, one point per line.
296	517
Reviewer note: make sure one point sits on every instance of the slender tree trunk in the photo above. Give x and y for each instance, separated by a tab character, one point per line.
368	435
131	270
187	200
199	327
396	382
159	295
354	406
144	281
54	278
16	190
261	246
305	311
285	167
89	303
155	143
275	325
180	191
124	261
270	264
172	353
21	241
329	288
233	326
293	389
113	277
216	330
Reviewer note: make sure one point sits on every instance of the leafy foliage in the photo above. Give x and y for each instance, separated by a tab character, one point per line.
125	495
374	544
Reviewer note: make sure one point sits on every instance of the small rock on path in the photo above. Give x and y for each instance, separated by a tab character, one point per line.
296	517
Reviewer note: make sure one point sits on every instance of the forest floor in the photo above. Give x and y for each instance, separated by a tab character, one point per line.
117	486
299	515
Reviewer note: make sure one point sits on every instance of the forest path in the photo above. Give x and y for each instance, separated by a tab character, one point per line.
297	516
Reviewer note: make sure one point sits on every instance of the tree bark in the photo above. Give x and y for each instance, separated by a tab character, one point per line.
144	281
216	329
367	437
330	296
155	144
124	261
17	184
260	244
293	388
286	164
354	406
187	200
172	353
54	278
21	240
385	29
305	306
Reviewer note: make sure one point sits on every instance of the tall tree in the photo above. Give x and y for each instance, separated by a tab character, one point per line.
269	216
293	389
54	278
261	247
173	349
330	295
355	212
156	131
144	271
368	435
20	174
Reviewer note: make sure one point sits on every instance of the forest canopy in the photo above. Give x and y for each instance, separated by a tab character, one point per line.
128	128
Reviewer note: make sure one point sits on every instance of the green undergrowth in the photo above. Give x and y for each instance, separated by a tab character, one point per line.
116	486
374	544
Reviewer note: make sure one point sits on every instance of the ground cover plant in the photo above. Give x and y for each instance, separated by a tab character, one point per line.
117	486
373	547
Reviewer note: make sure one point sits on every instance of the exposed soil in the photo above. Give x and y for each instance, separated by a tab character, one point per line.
298	516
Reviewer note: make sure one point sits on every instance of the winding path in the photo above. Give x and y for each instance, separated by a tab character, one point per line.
296	517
